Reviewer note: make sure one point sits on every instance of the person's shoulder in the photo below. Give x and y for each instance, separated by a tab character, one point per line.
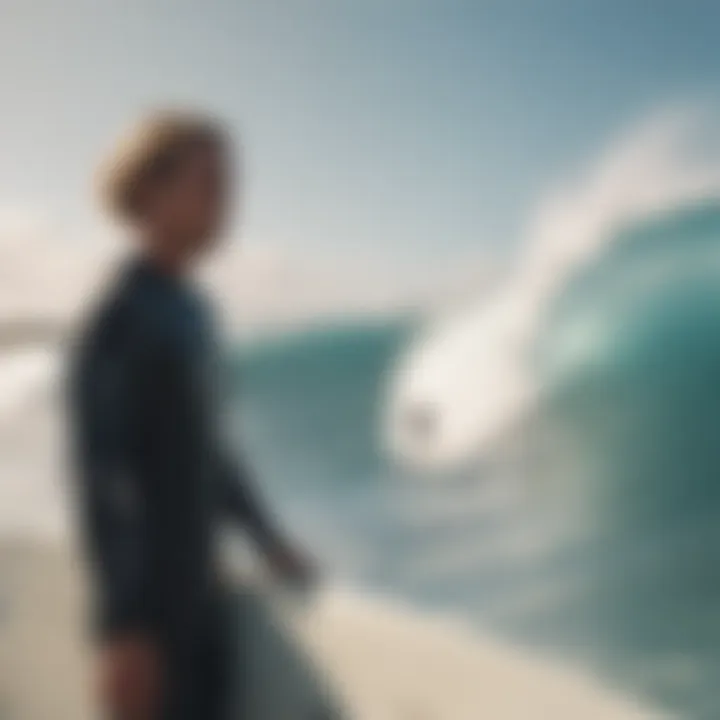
104	319
122	316
100	334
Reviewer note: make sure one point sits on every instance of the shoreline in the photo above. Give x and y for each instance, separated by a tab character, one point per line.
384	660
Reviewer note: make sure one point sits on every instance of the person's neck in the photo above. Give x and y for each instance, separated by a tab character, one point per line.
167	258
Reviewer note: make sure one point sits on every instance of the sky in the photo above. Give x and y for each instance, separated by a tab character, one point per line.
404	137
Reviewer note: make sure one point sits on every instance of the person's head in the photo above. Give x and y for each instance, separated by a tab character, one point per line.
170	180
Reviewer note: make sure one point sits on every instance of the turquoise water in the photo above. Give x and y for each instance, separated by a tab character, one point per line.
607	550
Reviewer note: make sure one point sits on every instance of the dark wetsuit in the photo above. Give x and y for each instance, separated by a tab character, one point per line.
154	479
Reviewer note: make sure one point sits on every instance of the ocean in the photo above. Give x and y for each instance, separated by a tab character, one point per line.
595	538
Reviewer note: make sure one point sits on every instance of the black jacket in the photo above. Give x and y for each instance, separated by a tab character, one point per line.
153	476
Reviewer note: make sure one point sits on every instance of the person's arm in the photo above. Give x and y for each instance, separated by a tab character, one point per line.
241	502
110	496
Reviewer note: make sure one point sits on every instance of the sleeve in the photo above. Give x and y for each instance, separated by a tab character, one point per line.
240	499
241	502
110	494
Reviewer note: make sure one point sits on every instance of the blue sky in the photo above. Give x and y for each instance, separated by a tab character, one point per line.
415	128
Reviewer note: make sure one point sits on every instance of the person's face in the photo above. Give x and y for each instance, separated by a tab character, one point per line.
191	207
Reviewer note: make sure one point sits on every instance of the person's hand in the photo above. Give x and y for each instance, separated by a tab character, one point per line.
290	565
131	678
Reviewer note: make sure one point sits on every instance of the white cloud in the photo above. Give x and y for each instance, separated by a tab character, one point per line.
42	273
48	273
263	285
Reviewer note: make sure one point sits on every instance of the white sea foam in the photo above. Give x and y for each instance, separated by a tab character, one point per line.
468	382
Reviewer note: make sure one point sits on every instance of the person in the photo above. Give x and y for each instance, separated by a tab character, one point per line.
154	477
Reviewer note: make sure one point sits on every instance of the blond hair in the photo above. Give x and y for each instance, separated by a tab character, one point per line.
151	151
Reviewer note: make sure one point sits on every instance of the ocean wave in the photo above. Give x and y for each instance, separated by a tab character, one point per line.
589	386
469	381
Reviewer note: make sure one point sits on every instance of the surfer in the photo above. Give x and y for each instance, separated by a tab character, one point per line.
153	476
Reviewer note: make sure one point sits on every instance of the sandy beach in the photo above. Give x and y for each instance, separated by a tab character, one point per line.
380	662
43	663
